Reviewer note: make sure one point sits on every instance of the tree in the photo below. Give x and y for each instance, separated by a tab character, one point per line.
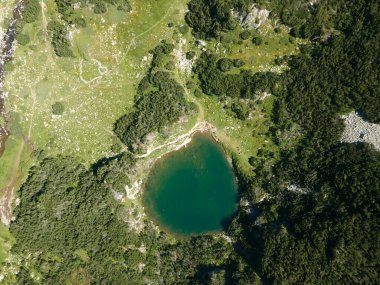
57	108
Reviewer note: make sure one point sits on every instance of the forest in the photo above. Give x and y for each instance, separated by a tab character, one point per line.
76	233
326	230
159	102
319	222
216	80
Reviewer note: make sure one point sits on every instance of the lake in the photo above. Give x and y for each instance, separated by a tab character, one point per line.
193	190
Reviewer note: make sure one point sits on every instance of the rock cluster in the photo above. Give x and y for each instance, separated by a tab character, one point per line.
359	130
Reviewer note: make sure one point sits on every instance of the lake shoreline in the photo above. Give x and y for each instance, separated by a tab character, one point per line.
210	186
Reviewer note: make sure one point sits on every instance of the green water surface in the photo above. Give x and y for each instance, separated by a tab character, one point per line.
192	191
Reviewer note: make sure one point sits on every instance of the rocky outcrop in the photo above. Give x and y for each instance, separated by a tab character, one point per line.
359	130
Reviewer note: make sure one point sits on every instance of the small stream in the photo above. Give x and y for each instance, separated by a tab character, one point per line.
6	54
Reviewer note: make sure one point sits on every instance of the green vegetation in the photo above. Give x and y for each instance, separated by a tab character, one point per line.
85	127
327	232
64	210
308	20
75	231
57	108
31	14
32	11
319	226
59	40
309	208
212	73
257	40
23	39
209	19
245	34
66	7
160	101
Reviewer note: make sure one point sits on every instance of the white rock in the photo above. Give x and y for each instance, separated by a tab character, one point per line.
359	130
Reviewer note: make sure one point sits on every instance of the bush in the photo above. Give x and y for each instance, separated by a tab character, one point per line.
125	6
245	35
190	84
190	55
31	12
209	18
116	148
183	29
100	8
170	65
22	39
197	93
59	41
163	105
57	108
240	109
257	40
79	22
225	64
238	62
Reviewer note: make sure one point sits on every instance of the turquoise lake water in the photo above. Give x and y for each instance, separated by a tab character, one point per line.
193	190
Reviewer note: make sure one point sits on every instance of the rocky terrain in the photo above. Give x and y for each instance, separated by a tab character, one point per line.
358	130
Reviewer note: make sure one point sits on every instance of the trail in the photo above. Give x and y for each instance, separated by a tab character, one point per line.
133	40
44	21
128	48
100	71
190	97
198	127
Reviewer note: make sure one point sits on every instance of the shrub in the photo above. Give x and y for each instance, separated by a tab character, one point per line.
80	22
170	65
57	108
100	8
31	12
257	40
190	55
183	29
245	35
225	64
22	39
238	62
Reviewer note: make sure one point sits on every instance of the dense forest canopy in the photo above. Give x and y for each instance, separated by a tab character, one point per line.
326	229
215	80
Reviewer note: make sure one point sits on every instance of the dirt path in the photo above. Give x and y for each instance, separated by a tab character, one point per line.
180	79
198	127
128	48
44	21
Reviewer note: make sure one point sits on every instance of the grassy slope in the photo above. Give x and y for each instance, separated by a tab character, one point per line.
119	42
244	138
